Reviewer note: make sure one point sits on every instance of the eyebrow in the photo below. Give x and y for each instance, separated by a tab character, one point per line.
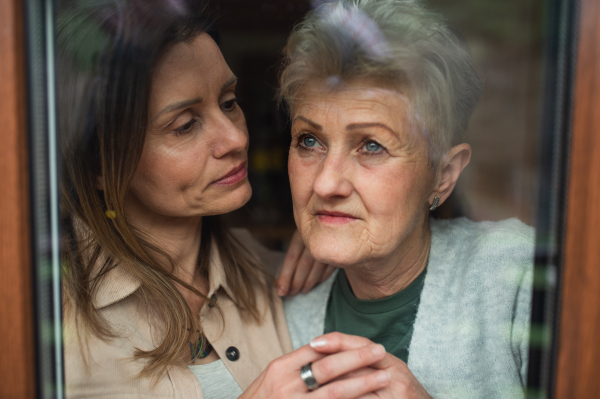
352	126
309	122
355	126
178	105
197	100
229	82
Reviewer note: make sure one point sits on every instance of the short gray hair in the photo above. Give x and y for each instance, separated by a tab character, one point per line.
390	42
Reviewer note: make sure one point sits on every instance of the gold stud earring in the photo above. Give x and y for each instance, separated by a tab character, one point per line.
110	214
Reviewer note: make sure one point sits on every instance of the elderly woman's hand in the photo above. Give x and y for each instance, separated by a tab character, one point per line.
300	271
281	378
403	385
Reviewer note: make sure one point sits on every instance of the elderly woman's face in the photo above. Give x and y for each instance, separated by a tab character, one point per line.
194	157
359	174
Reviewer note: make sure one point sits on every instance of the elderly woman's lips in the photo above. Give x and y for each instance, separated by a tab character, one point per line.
234	176
334	217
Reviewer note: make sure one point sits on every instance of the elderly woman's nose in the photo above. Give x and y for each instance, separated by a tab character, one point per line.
333	178
229	138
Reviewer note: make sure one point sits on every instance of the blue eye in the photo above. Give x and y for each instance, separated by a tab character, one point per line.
309	142
372	146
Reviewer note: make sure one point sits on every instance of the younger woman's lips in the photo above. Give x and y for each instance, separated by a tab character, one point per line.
233	177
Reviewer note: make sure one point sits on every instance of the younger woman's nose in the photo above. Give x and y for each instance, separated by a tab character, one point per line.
230	138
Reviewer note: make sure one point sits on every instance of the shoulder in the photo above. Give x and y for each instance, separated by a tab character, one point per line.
509	229
509	237
482	257
476	300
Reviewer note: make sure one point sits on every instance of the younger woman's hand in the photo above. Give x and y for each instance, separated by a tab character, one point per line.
281	378
403	385
300	272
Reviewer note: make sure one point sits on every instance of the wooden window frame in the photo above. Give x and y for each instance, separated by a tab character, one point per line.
17	362
579	325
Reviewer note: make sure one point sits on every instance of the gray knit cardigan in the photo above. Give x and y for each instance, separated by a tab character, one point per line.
471	332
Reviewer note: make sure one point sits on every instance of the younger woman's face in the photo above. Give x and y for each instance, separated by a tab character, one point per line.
195	155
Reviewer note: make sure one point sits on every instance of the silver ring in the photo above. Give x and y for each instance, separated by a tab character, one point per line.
307	376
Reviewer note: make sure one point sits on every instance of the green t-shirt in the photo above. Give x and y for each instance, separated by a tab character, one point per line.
387	321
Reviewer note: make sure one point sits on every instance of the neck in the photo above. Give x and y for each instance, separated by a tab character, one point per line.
179	237
384	277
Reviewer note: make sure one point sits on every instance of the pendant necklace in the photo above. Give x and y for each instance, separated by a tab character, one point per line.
201	348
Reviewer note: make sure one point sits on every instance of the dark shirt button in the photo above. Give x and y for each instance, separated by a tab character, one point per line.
232	353
213	298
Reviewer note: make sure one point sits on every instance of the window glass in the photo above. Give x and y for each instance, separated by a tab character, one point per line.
519	48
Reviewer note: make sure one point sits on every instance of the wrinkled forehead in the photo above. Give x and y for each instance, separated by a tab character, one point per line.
353	101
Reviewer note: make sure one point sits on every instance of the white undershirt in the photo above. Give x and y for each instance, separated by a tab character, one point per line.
216	381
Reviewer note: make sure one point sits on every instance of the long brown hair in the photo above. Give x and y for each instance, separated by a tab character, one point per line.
106	53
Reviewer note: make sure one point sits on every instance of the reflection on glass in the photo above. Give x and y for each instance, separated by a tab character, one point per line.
506	41
44	169
382	110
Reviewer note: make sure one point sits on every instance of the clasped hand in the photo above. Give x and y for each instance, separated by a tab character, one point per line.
345	367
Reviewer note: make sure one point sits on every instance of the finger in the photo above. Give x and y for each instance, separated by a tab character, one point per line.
297	358
303	268
357	373
314	276
390	361
336	342
284	369
354	387
327	272
338	364
289	264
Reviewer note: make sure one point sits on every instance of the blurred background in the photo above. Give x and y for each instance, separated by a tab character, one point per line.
506	40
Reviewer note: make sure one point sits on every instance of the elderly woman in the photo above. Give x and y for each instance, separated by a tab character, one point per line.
380	94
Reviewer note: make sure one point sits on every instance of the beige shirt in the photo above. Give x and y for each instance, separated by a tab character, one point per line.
107	369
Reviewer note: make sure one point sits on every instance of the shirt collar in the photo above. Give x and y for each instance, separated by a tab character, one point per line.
216	272
119	283
116	285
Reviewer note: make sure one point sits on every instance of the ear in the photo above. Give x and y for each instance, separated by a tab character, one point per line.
450	168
